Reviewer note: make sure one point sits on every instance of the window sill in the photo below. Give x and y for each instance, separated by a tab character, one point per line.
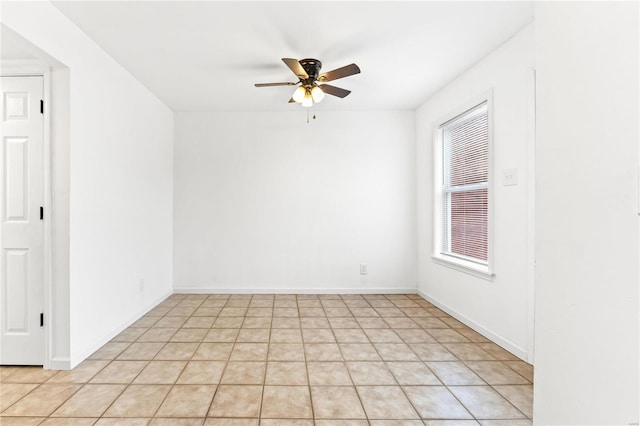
466	267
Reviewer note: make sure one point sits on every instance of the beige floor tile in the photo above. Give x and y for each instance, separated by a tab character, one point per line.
412	373
190	335
395	352
337	422
286	402
119	372
187	401
202	373
285	303
455	373
69	421
451	423
244	373
228	322
199	322
521	396
318	335
213	351
249	352
396	423
130	334
314	322
359	352
141	351
181	312
364	312
138	401
350	335
231	422
105	421
160	372
522	368
286	335
207	312
29	375
447	335
285	312
236	401
389	311
259	312
21	421
506	422
432	352
285	322
222	335
497	352
157	334
436	402
12	392
401	322
311	312
254	335
80	374
376	335
286	352
374	323
286	373
42	401
337	312
90	401
257	322
485	403
431	322
109	351
171	322
396	405
496	373
168	421
322	352
286	422
312	302
336	402
232	312
328	374
343	323
468	352
473	336
176	352
370	373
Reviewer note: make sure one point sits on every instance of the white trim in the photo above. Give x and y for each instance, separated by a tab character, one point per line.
487	272
105	338
35	68
531	215
495	338
323	290
59	364
466	267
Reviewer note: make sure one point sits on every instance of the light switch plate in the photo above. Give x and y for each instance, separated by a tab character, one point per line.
509	177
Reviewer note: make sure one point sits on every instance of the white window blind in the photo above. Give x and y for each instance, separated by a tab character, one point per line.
465	185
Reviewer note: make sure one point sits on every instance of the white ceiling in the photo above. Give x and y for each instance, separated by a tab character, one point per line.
206	55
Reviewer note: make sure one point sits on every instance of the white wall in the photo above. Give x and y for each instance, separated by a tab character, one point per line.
120	166
587	243
267	202
498	309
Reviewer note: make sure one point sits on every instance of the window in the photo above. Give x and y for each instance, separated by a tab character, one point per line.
462	188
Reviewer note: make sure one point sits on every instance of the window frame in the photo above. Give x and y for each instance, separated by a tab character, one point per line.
460	263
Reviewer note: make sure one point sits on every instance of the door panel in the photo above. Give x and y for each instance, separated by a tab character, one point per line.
21	231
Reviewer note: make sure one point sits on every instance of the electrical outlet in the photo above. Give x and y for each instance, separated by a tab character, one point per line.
363	269
141	285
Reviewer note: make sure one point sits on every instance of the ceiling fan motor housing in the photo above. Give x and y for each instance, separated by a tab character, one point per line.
312	67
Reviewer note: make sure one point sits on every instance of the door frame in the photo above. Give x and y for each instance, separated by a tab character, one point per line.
39	69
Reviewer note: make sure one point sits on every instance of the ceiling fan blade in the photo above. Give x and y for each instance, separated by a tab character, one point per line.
294	65
342	72
274	84
291	101
335	91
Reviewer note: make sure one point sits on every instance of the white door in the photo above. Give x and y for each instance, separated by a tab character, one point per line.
21	232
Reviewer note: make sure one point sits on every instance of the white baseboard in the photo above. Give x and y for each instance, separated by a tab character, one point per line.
323	290
495	338
98	343
62	363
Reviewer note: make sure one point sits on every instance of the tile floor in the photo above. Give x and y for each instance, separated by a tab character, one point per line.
281	360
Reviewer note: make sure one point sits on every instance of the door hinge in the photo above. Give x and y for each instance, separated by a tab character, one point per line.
41	213
41	106
41	319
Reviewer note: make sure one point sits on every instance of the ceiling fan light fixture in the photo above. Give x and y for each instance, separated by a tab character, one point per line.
317	94
298	94
307	101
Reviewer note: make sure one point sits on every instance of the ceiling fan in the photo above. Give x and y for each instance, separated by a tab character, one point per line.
312	88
